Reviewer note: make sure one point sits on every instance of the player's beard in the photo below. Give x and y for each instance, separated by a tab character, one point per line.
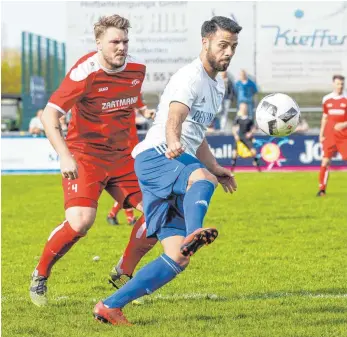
215	65
110	61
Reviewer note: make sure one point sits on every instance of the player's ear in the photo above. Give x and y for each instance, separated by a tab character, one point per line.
98	44
205	43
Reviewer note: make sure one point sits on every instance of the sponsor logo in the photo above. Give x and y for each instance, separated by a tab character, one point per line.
202	202
102	89
119	103
203	117
319	37
135	82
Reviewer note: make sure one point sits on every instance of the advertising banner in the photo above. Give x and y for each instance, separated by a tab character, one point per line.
300	45
165	35
28	155
36	155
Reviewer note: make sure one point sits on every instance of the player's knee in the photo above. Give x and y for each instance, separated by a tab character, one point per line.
180	259
201	174
81	218
325	162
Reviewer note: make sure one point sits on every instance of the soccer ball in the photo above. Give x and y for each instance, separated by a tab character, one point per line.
277	115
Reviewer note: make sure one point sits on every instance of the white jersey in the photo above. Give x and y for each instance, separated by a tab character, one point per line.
191	86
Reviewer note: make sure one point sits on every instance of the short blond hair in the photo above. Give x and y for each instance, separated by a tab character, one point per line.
110	21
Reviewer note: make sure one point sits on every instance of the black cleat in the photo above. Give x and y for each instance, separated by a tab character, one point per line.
321	193
112	220
199	238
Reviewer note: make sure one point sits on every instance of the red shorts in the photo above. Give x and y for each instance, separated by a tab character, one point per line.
334	144
94	175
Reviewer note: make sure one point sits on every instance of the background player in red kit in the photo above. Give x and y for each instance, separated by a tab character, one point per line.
333	131
102	89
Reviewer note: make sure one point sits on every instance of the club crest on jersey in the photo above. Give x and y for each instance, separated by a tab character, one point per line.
135	82
119	103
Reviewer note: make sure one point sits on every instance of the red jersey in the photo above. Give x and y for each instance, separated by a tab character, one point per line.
335	107
102	105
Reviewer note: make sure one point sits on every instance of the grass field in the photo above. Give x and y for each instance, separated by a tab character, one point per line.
277	269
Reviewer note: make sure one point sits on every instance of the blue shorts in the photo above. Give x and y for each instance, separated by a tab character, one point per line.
163	183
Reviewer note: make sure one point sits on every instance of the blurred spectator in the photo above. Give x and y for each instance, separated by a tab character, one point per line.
245	89
36	126
222	116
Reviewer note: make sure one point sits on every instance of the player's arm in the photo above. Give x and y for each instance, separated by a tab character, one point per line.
322	127
54	132
143	109
178	112
224	176
340	126
70	91
235	129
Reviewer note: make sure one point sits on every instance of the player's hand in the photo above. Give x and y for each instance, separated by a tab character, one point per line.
226	178
68	167
174	150
248	135
237	138
321	138
339	126
149	113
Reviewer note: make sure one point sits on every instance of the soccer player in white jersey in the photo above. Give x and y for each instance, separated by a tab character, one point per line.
176	169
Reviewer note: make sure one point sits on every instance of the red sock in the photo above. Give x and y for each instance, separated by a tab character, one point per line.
115	209
129	212
59	243
137	247
323	177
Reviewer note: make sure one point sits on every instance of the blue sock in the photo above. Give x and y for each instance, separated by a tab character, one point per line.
195	204
148	279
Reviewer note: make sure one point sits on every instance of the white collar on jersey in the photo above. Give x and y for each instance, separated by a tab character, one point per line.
109	71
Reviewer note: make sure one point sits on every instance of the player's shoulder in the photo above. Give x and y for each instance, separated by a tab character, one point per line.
327	97
85	66
333	96
135	62
191	74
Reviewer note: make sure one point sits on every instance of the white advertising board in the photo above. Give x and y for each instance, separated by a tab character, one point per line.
166	35
300	45
28	155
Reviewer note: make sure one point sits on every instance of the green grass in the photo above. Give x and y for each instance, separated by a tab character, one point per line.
277	269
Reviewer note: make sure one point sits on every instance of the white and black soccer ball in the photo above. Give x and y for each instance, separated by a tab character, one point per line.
277	115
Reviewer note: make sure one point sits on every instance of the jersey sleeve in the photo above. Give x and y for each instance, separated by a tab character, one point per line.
185	92
70	91
324	107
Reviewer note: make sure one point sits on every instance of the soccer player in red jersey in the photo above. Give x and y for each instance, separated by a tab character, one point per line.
102	89
333	131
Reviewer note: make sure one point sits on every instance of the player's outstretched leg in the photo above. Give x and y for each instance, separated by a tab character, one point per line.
147	280
58	244
255	159
201	186
112	215
233	160
129	213
323	177
138	246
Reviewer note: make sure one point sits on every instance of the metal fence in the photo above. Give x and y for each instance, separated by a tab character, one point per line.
43	68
